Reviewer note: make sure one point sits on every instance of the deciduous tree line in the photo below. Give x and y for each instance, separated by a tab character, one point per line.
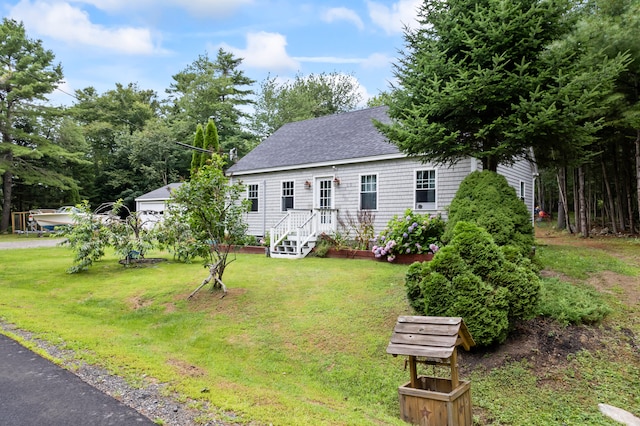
557	81
121	143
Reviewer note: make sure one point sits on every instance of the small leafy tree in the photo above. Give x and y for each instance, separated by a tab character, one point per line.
473	278
88	238
174	235
130	237
214	211
93	231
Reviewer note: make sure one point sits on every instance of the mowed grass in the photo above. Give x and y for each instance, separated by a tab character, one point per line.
294	342
303	342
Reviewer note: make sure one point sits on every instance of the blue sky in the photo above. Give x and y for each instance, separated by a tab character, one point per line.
103	42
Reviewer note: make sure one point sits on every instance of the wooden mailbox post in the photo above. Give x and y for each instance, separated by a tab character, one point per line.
433	401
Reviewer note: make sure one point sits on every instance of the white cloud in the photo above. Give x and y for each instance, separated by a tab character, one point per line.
108	5
393	19
213	8
328	60
61	21
267	51
343	14
377	60
364	93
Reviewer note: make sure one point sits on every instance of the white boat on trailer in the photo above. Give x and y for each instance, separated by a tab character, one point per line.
48	219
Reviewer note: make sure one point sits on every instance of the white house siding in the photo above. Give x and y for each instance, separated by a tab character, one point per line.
521	172
395	181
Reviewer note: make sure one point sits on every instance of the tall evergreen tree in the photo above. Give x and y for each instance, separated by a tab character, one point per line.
215	89
464	73
211	142
27	75
197	155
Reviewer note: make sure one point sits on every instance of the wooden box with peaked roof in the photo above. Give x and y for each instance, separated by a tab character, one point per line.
432	401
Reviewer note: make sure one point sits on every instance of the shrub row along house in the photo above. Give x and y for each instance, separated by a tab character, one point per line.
306	175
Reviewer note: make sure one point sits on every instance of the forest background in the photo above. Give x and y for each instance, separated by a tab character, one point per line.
121	143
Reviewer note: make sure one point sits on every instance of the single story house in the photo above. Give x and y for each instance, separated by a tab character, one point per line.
308	174
151	206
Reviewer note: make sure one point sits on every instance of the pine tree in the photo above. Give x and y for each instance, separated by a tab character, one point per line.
464	72
196	157
211	142
27	75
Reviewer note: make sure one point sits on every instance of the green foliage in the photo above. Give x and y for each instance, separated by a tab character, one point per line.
129	237
218	89
492	80
322	246
197	156
174	234
92	233
413	278
210	142
354	302
486	199
571	304
132	150
305	97
214	211
411	233
153	160
88	238
472	278
27	75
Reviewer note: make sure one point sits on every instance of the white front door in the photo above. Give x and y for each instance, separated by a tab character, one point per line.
324	204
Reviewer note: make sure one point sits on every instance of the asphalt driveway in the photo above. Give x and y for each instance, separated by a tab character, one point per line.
34	391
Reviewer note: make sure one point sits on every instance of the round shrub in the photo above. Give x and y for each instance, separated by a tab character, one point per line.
472	278
414	276
486	199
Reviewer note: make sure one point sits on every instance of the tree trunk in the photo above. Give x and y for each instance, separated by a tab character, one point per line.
489	163
7	185
563	209
607	187
576	201
540	191
637	171
617	179
582	206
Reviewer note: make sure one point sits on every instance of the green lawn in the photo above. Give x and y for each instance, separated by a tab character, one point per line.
306	338
294	342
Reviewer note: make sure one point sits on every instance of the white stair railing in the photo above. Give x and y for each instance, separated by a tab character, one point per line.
296	225
306	232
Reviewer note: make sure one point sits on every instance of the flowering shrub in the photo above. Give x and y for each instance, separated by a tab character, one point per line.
411	233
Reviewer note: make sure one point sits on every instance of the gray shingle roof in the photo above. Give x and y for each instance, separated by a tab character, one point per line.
331	138
162	193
